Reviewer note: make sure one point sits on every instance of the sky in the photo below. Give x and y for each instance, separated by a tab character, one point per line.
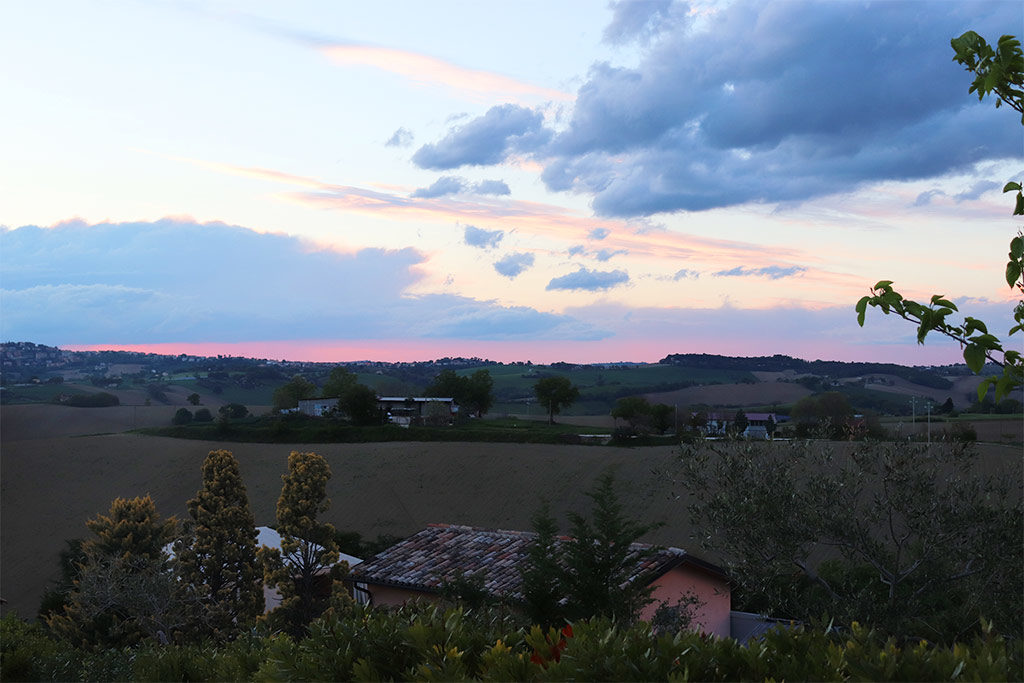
513	180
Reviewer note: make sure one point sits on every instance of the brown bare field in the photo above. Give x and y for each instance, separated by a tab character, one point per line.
50	484
760	394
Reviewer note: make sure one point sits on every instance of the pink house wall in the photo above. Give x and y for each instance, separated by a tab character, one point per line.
712	590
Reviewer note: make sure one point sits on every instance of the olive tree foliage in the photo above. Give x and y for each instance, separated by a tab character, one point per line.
998	72
124	591
308	553
908	538
217	551
555	393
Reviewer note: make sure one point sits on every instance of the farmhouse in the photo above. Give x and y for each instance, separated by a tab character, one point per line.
400	410
419	565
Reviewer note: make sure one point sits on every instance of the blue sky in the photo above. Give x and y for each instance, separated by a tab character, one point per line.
516	180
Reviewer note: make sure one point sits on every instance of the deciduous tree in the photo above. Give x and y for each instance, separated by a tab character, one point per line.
555	393
998	72
289	394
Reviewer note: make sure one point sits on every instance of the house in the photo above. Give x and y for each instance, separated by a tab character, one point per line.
418	566
400	410
317	407
409	410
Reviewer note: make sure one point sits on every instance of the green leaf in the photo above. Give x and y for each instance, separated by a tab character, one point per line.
1017	247
974	356
862	307
1012	273
1019	210
883	284
1010	187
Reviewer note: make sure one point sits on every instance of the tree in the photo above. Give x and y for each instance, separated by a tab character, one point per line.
662	417
182	416
193	398
338	382
447	384
919	543
203	415
124	591
600	560
233	411
827	413
555	393
740	421
479	393
359	403
217	553
636	410
308	551
587	575
542	574
999	72
289	394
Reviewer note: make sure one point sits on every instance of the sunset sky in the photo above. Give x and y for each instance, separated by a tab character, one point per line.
516	180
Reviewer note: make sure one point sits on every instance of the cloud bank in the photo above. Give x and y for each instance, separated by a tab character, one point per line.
177	281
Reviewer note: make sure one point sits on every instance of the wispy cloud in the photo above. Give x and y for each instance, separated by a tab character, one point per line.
771	272
400	138
430	71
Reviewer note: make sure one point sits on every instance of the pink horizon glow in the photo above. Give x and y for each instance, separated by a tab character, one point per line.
541	352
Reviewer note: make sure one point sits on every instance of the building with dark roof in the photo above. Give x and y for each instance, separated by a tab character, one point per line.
418	566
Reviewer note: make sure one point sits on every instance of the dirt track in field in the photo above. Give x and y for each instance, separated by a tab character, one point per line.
50	483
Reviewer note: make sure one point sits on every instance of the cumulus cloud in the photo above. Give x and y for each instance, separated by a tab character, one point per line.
486	140
178	281
514	264
762	102
496	187
482	239
576	250
599	233
400	138
444	185
590	280
771	272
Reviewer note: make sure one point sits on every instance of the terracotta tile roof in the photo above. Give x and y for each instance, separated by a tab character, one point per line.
439	553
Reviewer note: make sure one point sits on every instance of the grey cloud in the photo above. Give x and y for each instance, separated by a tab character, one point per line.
486	140
774	102
925	198
576	250
495	187
590	280
637	20
444	185
400	138
482	239
513	265
771	272
599	233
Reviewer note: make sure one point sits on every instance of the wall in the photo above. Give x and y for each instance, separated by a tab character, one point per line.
711	589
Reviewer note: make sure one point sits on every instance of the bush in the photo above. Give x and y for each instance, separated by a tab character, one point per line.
233	411
182	417
100	399
203	415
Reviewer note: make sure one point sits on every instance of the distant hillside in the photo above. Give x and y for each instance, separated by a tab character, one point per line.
828	368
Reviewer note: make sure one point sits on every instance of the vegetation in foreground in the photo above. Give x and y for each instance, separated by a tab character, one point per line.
426	642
